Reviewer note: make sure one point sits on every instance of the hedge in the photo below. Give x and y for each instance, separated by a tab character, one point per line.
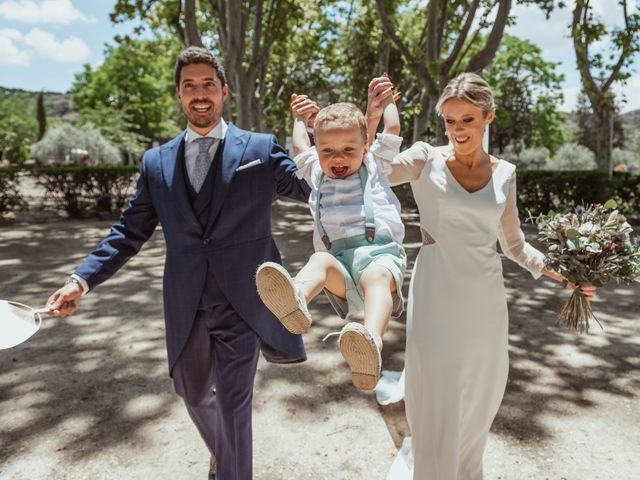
89	190
541	191
83	190
10	196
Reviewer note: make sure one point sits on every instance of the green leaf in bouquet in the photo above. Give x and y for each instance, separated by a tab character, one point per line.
610	204
571	245
596	282
573	234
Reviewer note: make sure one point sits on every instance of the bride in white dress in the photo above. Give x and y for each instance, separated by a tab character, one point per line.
457	322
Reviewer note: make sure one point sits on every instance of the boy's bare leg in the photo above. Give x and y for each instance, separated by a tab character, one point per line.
378	286
287	298
321	271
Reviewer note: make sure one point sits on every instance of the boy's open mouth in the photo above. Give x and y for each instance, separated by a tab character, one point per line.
339	172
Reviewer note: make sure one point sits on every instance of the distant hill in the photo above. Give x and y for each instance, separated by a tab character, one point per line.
57	105
631	119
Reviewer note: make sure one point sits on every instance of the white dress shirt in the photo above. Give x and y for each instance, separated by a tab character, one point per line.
342	206
191	148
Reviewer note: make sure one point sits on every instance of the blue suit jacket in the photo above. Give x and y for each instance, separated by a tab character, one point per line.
235	241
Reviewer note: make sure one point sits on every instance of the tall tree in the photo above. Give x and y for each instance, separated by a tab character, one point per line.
41	116
18	126
527	90
136	81
449	29
599	70
243	32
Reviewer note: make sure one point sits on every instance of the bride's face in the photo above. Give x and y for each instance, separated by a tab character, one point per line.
465	124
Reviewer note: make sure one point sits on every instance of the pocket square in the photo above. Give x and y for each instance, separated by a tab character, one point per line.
257	161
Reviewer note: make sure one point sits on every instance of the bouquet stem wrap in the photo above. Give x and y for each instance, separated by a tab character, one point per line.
577	313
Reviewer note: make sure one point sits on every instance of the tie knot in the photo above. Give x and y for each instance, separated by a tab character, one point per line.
204	143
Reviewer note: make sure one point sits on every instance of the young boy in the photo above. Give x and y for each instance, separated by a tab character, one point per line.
359	259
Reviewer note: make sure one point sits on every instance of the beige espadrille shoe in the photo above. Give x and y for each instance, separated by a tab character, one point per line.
359	349
281	295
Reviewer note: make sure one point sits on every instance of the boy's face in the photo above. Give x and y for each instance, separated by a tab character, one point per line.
340	150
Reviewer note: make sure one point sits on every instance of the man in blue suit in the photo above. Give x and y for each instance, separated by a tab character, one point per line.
211	189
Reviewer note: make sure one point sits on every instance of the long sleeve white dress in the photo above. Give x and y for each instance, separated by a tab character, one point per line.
457	323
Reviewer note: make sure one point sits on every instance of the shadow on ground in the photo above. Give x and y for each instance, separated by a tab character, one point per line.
96	381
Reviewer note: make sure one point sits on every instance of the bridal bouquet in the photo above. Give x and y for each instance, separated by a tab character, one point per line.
592	246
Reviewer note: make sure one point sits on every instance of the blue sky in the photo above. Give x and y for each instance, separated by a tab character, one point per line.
44	42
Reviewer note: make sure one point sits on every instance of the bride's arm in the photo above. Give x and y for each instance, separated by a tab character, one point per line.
407	165
511	237
516	248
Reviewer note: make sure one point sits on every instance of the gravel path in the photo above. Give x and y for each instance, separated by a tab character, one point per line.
88	397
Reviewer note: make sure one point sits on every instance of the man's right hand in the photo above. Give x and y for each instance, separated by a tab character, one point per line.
64	301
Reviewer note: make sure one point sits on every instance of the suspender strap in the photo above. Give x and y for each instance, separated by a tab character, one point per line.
369	220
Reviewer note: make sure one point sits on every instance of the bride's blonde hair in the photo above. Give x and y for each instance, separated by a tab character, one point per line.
470	87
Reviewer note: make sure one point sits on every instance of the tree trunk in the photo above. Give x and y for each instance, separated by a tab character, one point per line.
421	121
41	116
604	114
191	33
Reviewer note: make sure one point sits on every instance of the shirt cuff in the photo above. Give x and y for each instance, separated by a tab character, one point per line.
83	283
384	149
304	162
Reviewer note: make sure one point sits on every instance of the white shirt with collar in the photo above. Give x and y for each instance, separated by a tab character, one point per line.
191	148
342	206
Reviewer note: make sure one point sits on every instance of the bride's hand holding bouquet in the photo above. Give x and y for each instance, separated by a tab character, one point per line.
588	248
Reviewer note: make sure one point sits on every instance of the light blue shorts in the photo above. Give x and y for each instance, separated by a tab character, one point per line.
355	255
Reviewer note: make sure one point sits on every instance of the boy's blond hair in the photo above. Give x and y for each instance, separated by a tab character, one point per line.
343	115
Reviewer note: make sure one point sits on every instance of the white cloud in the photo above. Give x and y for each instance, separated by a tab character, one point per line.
10	54
47	11
72	49
11	33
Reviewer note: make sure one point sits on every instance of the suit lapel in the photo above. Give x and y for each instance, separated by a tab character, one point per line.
235	143
171	153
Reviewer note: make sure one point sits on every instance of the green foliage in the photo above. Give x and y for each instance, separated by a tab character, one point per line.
527	92
116	127
540	192
65	143
18	126
10	197
534	158
132	92
630	159
87	190
572	156
303	64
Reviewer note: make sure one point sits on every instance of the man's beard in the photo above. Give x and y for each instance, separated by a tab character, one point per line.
211	119
205	122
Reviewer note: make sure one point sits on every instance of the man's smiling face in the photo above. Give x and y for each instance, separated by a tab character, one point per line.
202	96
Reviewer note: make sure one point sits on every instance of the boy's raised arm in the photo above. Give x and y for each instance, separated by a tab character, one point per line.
381	104
303	110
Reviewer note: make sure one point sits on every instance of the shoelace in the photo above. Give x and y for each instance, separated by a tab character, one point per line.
329	335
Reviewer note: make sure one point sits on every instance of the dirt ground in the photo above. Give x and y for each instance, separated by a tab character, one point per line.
88	397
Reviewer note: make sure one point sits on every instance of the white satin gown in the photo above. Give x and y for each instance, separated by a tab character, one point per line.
457	323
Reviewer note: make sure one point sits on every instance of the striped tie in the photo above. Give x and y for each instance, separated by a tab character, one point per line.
203	161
